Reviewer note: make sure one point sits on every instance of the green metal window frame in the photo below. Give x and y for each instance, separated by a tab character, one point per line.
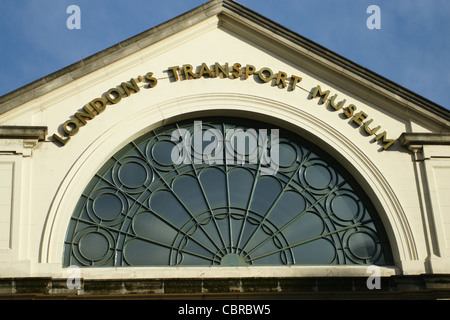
141	209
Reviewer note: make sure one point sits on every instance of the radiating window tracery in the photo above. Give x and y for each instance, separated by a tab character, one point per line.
141	209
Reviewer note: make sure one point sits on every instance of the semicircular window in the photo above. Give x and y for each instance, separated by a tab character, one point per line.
223	192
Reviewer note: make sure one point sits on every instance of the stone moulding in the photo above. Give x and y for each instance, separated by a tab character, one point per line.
23	132
394	287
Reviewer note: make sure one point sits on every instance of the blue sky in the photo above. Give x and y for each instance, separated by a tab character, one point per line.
412	48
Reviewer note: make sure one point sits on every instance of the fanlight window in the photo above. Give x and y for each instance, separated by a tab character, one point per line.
142	209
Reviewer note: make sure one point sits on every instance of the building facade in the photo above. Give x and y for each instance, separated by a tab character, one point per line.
221	154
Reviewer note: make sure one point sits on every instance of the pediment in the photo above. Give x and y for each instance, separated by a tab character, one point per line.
222	39
123	107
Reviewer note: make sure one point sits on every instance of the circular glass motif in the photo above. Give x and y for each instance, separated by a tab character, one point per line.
108	206
182	195
345	207
132	174
318	176
362	245
162	152
94	246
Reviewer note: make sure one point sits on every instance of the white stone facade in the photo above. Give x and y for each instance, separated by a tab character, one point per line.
41	179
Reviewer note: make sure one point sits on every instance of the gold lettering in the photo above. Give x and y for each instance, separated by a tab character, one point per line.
349	110
359	117
204	69
152	82
114	92
222	71
175	72
388	142
295	80
130	87
339	106
99	108
71	127
114	95
249	70
368	130
237	72
83	116
263	77
63	141
281	79
323	96
188	73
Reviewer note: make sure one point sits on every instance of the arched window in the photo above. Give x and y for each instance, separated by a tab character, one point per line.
223	192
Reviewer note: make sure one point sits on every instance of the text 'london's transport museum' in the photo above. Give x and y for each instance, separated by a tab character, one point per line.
262	165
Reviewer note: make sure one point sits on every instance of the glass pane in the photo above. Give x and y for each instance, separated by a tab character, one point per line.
214	184
149	226
266	192
94	246
107	206
165	204
133	174
189	191
240	186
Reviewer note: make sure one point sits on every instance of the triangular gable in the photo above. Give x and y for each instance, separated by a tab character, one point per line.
238	19
241	65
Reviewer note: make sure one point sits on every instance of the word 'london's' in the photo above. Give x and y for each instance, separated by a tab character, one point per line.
186	72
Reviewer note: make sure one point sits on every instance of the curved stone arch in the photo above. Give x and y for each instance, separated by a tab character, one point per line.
298	121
